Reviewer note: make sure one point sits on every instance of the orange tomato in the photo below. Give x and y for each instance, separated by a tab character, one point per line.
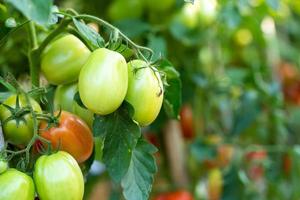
186	121
71	134
176	195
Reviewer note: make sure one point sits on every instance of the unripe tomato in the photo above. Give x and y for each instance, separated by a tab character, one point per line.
145	92
177	195
18	131
3	166
187	121
58	177
125	9
63	59
103	81
159	5
15	185
71	135
64	100
63	97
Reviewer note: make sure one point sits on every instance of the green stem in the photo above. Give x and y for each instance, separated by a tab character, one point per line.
53	34
32	34
130	42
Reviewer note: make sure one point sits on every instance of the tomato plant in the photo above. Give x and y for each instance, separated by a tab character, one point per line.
63	59
71	134
106	77
16	185
145	92
16	119
69	185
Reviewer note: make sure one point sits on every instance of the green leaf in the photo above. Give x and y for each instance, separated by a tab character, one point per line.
35	10
202	151
93	38
158	45
121	136
137	183
172	95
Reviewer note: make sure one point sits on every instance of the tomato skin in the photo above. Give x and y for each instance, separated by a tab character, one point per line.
177	195
63	59
58	177
71	135
63	97
144	92
3	166
103	81
64	100
187	121
125	9
22	133
16	185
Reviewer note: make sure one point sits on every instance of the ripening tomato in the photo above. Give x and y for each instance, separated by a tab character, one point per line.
58	177
215	184
103	81
15	185
287	163
63	59
18	131
255	161
64	100
177	195
125	9
145	92
71	135
187	121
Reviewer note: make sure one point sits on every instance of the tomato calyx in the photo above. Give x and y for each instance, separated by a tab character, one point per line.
18	113
52	120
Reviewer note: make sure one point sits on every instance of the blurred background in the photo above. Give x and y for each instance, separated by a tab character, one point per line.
239	60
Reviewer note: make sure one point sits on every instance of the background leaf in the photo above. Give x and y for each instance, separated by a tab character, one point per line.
36	10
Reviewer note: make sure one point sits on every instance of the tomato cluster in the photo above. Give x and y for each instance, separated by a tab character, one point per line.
103	79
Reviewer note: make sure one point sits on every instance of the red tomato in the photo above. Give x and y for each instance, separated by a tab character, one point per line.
177	195
186	121
255	161
287	164
72	135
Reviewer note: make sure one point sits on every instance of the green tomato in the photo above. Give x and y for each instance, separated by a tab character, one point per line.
18	131
64	99
16	185
160	5
58	177
145	92
63	59
125	9
3	166
103	81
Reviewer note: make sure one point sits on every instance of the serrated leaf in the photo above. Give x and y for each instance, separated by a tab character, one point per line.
35	10
137	183
93	38
172	95
121	136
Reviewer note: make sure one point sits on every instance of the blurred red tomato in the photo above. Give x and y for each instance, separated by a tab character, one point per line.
187	121
255	161
287	164
177	195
